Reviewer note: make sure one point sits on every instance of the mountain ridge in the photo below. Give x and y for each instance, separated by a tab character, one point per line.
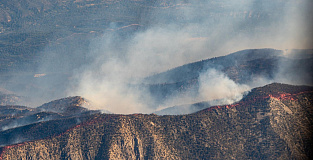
151	136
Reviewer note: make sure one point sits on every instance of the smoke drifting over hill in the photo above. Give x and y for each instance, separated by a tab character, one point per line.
185	32
110	72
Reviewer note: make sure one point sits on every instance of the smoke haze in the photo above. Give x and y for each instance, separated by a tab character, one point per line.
199	32
174	33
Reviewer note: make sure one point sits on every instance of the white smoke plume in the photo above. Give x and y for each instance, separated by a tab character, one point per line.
216	85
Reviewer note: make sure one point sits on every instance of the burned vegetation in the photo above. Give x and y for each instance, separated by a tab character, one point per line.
271	122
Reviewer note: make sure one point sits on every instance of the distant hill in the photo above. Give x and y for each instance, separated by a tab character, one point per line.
242	67
8	97
28	27
14	120
242	63
70	105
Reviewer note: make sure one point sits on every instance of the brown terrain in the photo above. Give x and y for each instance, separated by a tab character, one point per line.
271	122
44	42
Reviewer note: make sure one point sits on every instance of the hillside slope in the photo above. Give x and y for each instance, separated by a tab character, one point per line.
242	67
20	123
271	122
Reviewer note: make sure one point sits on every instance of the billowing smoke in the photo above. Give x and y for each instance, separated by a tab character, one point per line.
216	85
295	67
110	71
184	32
120	64
215	88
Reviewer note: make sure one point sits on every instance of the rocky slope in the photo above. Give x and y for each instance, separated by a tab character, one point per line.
271	122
